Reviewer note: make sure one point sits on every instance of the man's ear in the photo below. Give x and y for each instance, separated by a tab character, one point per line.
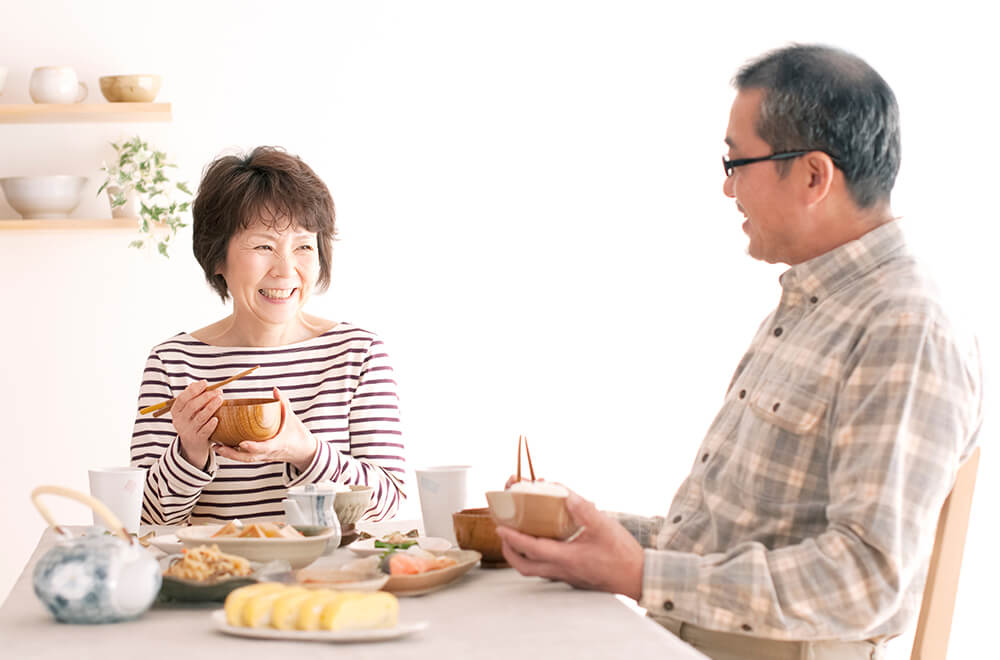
820	172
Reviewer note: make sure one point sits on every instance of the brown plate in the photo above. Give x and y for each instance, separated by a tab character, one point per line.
425	583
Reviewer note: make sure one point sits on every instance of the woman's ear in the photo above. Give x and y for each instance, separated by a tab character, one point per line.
820	171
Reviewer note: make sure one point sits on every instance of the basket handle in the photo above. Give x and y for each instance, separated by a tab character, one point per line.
98	506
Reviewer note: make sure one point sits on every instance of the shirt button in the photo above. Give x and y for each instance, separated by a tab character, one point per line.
814	300
743	394
777	332
668	605
677	519
776	406
704	457
746	627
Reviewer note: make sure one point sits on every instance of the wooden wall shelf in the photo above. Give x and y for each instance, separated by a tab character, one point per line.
70	224
66	113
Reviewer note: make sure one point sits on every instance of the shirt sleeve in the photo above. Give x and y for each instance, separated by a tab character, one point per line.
376	450
906	416
173	485
642	528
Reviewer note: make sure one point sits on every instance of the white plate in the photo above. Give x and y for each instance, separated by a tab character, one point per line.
376	635
168	543
366	547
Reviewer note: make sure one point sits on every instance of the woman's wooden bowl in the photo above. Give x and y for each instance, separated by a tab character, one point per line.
248	419
475	529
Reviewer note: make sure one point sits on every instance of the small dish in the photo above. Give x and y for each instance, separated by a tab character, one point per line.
299	552
365	576
374	635
425	583
168	543
366	547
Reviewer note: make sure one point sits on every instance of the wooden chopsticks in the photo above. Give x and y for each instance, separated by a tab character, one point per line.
163	407
524	439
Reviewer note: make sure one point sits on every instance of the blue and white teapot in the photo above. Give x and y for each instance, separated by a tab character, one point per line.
95	578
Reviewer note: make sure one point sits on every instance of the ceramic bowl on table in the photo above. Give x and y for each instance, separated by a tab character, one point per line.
241	420
532	513
298	552
475	529
43	197
134	88
350	506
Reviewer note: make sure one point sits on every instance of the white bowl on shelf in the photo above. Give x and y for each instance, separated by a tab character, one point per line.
43	197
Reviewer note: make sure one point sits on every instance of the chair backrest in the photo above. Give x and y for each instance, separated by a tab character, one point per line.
934	623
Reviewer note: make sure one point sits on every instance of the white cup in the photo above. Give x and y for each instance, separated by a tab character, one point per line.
443	491
56	84
3	77
120	488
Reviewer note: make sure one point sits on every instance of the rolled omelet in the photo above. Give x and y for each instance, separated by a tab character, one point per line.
312	607
285	611
360	612
293	607
257	613
237	599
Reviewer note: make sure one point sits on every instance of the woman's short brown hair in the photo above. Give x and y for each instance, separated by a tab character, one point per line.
266	185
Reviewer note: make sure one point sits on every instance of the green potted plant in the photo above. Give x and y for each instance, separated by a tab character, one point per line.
138	186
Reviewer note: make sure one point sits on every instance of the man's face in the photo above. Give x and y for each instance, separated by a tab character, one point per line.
761	194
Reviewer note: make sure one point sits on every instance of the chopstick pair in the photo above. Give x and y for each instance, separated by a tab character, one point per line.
521	439
163	407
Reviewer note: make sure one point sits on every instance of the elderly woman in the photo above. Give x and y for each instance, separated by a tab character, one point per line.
263	230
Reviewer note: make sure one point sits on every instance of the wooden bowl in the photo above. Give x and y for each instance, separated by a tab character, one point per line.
248	419
535	514
476	530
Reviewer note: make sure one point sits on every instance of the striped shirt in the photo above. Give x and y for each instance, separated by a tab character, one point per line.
811	508
339	384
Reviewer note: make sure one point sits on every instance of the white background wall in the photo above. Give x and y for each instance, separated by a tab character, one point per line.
530	207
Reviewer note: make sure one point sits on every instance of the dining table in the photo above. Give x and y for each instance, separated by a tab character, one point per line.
486	613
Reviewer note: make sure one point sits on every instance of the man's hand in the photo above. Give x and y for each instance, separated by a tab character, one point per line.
604	557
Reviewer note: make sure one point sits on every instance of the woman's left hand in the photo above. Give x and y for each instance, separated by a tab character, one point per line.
294	443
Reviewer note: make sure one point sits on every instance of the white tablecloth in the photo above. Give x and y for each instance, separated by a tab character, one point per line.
488	613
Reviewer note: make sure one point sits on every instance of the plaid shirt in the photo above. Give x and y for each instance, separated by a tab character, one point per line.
811	508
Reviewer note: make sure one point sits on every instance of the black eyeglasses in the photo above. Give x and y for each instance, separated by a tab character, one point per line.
730	165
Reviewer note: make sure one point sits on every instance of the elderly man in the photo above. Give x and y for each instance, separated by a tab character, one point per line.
805	525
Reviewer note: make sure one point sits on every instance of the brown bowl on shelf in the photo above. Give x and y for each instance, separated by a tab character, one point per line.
134	88
535	514
475	529
241	420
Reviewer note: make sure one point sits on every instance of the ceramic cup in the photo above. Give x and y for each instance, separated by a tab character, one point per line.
56	84
3	77
120	489
442	491
312	505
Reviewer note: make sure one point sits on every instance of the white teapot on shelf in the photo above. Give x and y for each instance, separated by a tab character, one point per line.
97	577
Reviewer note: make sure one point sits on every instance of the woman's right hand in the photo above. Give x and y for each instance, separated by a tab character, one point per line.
192	416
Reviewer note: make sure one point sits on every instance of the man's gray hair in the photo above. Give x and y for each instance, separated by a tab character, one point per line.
825	99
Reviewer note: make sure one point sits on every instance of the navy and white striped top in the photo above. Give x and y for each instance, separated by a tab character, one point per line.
341	387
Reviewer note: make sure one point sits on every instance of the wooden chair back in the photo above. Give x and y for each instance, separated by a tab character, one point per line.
934	623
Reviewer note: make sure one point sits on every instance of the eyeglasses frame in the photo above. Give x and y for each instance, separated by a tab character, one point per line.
729	165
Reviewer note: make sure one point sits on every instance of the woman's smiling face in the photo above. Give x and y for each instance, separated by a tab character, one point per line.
270	273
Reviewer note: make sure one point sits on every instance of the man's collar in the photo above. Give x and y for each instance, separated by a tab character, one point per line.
822	275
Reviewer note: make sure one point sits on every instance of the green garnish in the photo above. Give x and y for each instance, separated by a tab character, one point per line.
394	546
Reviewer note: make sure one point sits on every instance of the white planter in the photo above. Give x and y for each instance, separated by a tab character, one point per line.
131	207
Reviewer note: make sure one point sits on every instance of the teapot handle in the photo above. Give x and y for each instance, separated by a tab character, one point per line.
98	506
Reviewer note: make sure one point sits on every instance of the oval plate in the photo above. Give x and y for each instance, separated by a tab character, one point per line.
366	547
374	635
425	583
298	552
